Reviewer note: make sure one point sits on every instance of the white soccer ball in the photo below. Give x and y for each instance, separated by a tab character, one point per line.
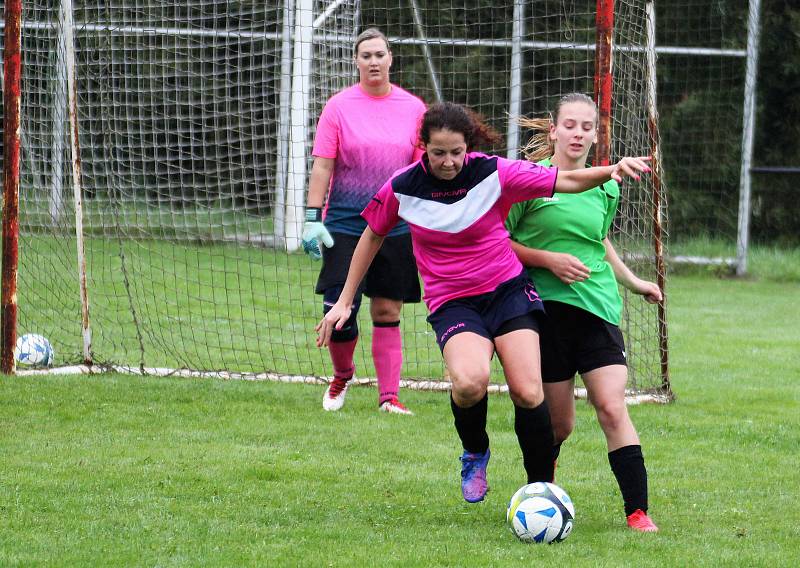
33	349
541	512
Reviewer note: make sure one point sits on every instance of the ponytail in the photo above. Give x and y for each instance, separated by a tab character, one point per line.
539	147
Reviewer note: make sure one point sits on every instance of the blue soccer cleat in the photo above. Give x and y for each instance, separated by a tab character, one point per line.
473	476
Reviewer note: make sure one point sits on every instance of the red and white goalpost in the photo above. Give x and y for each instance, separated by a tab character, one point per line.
12	67
158	221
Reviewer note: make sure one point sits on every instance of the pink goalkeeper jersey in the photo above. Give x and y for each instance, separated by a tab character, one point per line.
458	226
370	138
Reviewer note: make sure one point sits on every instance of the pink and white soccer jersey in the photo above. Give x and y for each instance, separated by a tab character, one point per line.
457	226
370	138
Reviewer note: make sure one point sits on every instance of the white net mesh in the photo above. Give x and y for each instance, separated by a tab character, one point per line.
188	115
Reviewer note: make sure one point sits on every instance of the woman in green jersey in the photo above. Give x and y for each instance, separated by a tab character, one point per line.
563	241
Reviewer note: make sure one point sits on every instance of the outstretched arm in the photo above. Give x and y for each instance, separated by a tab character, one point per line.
368	246
650	290
575	181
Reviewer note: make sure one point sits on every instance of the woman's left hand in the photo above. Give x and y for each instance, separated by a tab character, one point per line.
630	167
650	291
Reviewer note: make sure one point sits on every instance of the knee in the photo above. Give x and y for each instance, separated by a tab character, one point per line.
383	311
349	330
562	427
529	395
469	384
611	415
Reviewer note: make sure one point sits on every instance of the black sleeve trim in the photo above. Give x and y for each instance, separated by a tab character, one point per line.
553	189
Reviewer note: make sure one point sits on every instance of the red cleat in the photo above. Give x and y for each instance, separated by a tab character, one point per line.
639	521
394	406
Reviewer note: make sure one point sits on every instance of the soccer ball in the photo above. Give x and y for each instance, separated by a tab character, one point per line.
540	512
34	350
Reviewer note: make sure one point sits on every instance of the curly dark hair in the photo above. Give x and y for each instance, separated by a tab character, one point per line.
457	118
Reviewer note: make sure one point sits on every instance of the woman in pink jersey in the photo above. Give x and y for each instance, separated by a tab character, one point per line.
365	133
564	242
480	299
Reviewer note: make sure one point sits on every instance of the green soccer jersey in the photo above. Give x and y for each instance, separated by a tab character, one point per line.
573	223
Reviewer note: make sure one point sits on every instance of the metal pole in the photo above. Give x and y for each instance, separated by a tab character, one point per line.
77	187
515	88
426	51
304	27
12	67
603	80
87	28
282	151
748	133
59	125
298	132
655	150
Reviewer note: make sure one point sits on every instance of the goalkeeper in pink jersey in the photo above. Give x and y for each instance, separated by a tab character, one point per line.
480	298
564	243
365	133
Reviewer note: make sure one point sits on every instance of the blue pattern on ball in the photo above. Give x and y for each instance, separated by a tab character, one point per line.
522	519
540	537
34	350
551	512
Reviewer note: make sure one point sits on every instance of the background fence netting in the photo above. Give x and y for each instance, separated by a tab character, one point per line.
195	120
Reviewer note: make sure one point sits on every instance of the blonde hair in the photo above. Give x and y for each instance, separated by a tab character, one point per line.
540	146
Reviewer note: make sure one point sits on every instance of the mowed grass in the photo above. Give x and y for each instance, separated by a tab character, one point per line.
122	470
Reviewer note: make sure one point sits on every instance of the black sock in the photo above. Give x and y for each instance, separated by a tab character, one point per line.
471	425
556	450
627	463
535	435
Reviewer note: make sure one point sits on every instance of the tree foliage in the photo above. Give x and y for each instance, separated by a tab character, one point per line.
701	121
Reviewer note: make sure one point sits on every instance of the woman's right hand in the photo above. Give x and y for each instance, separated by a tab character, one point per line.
335	318
569	269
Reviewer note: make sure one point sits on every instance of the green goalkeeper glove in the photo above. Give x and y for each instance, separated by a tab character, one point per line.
315	232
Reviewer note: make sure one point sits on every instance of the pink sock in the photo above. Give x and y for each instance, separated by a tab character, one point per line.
342	357
387	354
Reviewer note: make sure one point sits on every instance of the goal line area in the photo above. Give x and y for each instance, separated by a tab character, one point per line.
632	396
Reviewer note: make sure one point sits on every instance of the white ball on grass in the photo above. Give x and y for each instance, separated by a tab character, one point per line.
33	350
541	512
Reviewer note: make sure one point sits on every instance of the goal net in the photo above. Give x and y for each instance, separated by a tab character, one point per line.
701	84
194	123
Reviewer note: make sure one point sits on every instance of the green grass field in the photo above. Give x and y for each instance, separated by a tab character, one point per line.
120	470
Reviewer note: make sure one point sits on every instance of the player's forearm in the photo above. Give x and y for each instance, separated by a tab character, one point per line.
368	246
530	257
575	181
319	181
622	273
